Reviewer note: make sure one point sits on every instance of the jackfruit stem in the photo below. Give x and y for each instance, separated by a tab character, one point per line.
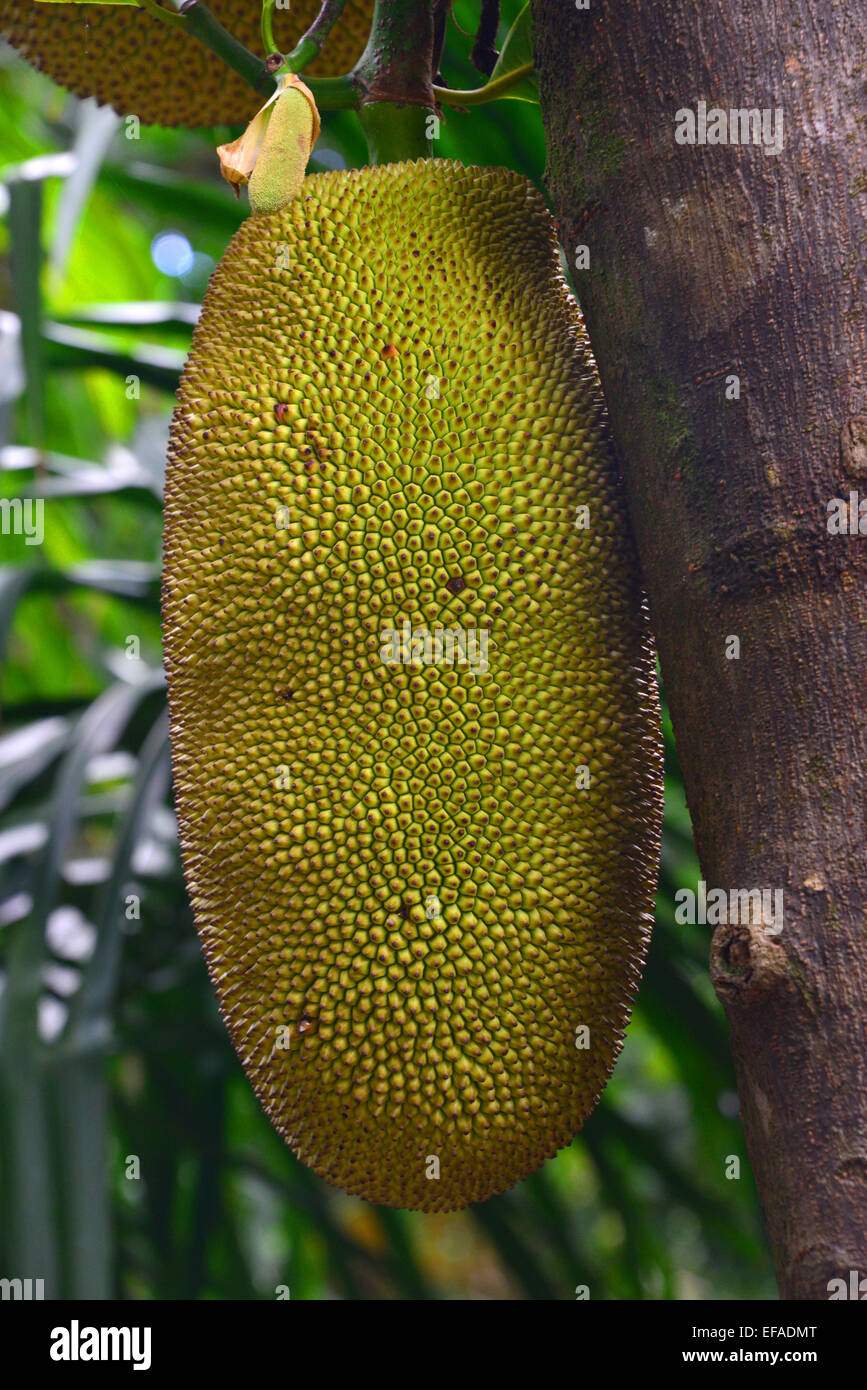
397	131
268	41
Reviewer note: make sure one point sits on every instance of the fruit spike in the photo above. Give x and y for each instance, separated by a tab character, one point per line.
414	715
130	60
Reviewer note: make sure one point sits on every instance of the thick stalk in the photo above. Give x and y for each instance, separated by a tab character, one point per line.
396	72
397	64
395	132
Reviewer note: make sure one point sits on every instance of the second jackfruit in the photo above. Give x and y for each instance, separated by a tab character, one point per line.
126	58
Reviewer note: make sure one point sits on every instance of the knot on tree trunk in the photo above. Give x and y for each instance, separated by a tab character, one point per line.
853	446
748	963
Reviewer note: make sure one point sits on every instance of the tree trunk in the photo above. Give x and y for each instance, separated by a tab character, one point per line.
707	262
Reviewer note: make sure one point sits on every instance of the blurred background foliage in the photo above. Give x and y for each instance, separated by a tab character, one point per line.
134	1159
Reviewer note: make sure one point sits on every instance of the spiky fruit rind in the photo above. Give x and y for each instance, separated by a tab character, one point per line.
408	904
129	60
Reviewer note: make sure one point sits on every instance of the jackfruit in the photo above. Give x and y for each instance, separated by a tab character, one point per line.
130	60
413	702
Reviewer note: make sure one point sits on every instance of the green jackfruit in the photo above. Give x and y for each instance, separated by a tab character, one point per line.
129	60
414	716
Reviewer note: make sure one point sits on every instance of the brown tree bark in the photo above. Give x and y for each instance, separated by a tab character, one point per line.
707	262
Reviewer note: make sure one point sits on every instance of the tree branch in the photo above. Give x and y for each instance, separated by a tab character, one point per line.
484	55
309	46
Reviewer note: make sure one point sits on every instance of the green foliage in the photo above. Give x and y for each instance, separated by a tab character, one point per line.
134	1160
517	50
